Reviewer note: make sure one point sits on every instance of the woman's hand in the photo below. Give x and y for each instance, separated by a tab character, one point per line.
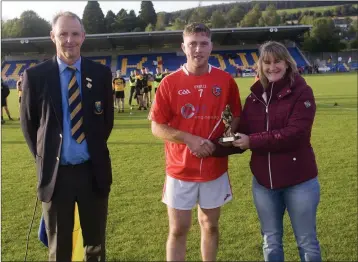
243	142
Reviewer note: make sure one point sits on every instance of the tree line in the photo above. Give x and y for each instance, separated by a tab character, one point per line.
247	14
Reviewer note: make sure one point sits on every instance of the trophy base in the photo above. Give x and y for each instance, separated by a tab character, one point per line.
228	139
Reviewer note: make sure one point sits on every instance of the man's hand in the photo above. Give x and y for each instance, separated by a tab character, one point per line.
243	142
208	147
199	146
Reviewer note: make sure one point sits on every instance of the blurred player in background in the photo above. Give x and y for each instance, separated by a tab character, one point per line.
132	84
119	84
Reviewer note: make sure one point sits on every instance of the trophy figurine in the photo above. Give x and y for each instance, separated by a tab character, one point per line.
226	117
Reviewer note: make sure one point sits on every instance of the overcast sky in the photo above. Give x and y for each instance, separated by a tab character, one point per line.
47	9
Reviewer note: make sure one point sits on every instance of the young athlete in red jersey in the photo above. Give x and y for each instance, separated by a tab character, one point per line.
187	115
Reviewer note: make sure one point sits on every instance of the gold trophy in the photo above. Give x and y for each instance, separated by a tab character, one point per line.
226	117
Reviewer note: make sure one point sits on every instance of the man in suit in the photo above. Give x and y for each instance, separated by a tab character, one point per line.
66	118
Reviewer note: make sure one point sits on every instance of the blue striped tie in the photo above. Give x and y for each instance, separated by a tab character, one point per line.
76	112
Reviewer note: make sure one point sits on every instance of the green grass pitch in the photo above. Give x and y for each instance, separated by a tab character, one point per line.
137	222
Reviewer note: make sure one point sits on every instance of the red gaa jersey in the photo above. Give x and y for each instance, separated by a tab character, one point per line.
194	104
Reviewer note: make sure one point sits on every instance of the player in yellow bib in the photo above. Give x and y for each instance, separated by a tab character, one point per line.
119	84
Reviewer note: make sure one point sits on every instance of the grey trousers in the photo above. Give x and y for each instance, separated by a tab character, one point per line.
75	184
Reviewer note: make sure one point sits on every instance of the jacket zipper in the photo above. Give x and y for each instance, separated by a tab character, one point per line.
267	129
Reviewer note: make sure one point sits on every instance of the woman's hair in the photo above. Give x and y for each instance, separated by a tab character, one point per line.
254	67
277	51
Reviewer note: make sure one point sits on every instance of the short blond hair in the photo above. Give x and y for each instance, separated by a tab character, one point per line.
195	28
277	51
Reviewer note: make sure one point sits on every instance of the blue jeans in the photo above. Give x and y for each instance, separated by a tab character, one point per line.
301	202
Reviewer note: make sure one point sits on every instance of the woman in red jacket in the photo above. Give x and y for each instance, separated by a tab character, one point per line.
276	125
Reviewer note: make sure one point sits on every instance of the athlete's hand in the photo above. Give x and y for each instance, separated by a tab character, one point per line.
209	148
199	146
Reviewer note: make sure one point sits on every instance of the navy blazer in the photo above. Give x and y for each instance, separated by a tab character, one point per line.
41	121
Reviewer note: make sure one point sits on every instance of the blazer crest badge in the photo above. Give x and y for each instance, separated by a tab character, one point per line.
98	107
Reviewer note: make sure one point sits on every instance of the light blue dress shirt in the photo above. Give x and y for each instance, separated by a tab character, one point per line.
72	153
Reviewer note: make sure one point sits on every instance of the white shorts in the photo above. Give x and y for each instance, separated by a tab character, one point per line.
184	195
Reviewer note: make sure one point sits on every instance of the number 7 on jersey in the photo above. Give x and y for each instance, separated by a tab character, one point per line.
201	92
